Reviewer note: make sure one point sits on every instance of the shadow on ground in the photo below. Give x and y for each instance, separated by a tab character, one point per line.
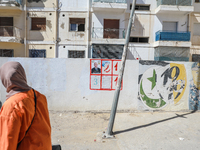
156	122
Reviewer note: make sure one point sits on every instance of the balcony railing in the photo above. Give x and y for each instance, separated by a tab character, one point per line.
10	31
110	1
175	2
16	2
172	36
100	33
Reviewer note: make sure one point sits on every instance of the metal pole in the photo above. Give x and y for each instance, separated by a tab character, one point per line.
109	133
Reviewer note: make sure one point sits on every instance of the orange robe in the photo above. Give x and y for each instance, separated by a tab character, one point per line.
15	118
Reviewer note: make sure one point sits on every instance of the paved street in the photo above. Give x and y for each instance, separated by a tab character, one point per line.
134	131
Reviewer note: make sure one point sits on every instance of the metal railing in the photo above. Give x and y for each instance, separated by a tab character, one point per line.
101	33
16	2
10	31
175	2
110	1
172	36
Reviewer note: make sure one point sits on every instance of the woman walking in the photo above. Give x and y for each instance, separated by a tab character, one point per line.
24	117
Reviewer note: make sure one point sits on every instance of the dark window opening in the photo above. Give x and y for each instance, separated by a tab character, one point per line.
77	24
76	54
6	26
141	7
196	57
139	39
38	24
6	53
197	1
37	53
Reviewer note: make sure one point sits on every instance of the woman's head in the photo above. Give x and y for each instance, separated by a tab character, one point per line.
13	78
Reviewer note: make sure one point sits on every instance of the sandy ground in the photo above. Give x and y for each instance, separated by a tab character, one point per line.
134	131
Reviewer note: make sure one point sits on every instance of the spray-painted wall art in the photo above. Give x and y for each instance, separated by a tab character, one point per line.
104	74
161	83
194	98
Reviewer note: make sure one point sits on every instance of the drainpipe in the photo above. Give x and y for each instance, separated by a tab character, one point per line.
56	29
88	31
25	26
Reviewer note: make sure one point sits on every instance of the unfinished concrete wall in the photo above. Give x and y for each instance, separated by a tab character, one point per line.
147	85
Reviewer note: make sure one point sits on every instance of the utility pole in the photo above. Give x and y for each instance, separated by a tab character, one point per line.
109	132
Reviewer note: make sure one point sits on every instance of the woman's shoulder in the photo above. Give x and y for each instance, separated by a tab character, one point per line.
15	102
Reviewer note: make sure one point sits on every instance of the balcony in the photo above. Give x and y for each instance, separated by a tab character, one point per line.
109	36
174	6
11	4
106	5
176	39
10	34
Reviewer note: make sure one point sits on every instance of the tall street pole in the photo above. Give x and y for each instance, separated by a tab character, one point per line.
109	132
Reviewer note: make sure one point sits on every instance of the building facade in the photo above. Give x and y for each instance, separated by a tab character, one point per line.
162	29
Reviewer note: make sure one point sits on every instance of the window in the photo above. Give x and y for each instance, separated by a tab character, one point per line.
163	53
141	7
196	57
170	26
197	1
196	29
76	54
139	39
77	24
37	53
6	52
38	24
6	26
107	51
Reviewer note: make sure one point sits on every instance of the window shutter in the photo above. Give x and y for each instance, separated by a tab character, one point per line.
6	21
77	21
38	24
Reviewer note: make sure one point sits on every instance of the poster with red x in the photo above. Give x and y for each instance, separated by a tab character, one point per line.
104	74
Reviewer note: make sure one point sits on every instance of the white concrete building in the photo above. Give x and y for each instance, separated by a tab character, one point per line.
162	29
97	28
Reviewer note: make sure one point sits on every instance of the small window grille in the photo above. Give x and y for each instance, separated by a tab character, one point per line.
6	53
139	39
37	53
196	57
141	7
76	54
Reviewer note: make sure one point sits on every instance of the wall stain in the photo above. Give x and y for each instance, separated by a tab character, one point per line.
81	34
49	24
62	25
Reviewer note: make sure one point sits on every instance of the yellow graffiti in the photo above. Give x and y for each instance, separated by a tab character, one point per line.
178	93
196	76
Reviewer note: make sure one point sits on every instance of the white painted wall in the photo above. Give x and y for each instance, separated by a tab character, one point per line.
98	20
65	83
181	19
74	5
196	7
63	50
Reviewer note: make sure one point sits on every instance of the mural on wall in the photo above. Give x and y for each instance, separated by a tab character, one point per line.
194	98
161	83
104	74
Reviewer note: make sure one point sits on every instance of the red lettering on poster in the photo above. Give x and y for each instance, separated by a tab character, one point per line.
104	74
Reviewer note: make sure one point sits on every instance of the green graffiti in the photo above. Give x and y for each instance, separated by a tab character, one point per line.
153	79
152	103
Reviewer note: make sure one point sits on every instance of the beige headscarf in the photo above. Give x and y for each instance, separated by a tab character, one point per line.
13	78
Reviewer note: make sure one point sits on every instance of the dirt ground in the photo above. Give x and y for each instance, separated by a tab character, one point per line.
134	131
